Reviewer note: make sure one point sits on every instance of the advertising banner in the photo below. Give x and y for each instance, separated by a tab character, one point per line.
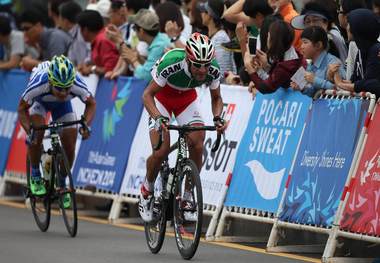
216	166
102	159
362	211
12	85
16	164
323	161
136	165
78	106
267	149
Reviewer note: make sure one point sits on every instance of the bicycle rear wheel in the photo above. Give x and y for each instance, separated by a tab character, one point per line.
155	231
69	213
41	205
188	210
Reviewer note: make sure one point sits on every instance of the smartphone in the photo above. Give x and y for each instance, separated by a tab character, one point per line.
252	42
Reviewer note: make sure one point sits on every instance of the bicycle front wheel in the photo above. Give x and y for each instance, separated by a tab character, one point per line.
188	209
41	205
66	196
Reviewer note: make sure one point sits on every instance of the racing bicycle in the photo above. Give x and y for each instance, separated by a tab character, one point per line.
59	169
169	202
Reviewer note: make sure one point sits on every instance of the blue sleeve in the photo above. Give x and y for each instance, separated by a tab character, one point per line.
342	71
144	71
154	54
321	83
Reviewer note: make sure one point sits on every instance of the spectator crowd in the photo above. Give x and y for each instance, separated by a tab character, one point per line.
305	45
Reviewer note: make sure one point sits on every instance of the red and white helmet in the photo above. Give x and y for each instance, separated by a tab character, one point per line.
199	48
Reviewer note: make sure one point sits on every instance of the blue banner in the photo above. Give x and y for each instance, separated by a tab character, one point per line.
323	161
12	85
267	149
102	159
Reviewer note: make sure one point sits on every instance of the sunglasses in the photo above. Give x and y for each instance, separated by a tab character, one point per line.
199	65
26	28
60	89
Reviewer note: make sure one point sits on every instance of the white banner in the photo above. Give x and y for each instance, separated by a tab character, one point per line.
237	108
216	166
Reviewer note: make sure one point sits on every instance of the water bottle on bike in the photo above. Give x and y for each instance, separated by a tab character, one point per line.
46	162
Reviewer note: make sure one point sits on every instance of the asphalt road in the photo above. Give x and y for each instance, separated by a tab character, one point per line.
97	241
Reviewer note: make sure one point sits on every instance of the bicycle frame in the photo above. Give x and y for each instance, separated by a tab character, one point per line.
55	189
172	180
182	154
56	144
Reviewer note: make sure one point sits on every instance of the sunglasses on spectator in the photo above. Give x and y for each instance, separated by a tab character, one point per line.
199	65
25	28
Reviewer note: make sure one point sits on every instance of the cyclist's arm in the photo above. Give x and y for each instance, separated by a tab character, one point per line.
216	102
23	115
148	99
89	111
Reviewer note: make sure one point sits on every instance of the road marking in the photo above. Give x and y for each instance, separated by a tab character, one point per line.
170	234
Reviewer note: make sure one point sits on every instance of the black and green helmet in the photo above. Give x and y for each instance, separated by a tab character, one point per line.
61	72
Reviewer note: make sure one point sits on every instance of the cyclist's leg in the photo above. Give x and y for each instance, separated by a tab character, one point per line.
153	163
37	116
157	157
191	115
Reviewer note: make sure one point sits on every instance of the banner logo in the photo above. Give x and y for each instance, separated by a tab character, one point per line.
368	165
268	184
112	116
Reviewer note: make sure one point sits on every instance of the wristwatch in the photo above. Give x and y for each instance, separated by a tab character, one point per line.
93	69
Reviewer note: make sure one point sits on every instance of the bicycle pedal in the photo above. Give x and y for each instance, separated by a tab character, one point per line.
156	208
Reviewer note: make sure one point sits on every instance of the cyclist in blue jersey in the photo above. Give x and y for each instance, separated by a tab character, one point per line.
51	87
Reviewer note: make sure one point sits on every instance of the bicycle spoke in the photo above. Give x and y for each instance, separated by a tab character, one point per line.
66	196
155	231
188	210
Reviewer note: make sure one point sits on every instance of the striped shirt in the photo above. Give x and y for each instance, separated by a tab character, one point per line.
224	57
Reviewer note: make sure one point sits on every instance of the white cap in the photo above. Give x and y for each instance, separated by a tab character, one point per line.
102	6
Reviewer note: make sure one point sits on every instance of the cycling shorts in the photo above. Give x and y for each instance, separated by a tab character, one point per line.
60	111
183	105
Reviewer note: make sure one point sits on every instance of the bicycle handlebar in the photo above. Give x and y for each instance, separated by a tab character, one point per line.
56	125
188	128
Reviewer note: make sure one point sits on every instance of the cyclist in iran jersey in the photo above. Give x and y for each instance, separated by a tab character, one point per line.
172	70
51	87
172	93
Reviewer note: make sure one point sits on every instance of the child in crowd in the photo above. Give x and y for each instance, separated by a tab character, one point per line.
314	49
